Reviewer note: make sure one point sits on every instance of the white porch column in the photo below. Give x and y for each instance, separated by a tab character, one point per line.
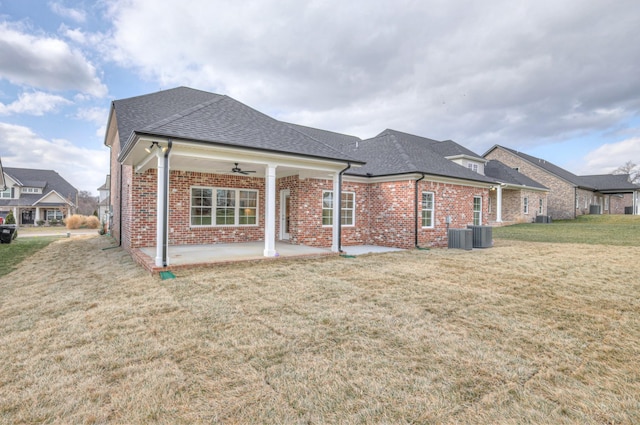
335	246
270	212
160	215
499	204
37	216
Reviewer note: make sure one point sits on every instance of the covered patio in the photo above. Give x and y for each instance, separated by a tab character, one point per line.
186	256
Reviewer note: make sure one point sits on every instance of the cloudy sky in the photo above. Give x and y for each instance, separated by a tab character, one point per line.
555	79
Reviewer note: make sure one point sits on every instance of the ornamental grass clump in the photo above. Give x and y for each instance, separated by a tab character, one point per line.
77	221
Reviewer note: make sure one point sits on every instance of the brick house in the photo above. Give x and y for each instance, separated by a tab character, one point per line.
190	167
571	195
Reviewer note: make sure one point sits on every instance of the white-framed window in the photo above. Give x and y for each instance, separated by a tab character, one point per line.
525	203
477	210
428	208
31	190
223	207
347	207
6	193
54	215
489	205
473	167
541	206
577	202
606	203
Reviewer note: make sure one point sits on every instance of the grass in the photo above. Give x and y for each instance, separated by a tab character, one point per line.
519	333
620	230
19	250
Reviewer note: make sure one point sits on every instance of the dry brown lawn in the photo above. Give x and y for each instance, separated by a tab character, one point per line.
520	333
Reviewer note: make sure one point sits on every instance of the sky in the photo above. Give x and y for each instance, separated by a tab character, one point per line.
559	80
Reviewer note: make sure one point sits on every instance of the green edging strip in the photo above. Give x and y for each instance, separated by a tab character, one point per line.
419	248
348	256
167	275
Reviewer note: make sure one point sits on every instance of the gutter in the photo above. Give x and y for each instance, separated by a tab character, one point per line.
165	207
338	204
416	211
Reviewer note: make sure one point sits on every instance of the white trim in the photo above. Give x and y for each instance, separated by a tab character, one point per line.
64	200
270	211
414	176
213	207
432	209
467	157
353	209
474	211
284	193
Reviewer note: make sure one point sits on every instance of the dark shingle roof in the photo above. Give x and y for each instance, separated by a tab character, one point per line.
610	182
551	168
190	114
393	152
449	148
336	140
505	174
35	178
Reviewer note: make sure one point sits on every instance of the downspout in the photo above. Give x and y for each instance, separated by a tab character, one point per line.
165	207
338	205
120	213
575	201
416	211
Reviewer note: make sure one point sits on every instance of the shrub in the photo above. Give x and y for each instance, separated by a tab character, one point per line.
75	221
78	221
10	218
40	223
53	222
92	222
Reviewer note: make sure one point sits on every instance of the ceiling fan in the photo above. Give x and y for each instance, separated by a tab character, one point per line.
238	170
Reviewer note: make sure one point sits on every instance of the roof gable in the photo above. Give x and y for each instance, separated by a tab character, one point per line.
506	174
394	152
547	166
47	180
214	119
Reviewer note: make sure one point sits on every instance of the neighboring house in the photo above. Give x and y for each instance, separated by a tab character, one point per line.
615	194
192	167
569	195
37	195
517	199
104	201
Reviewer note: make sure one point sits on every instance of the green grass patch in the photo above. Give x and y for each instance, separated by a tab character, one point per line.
12	254
620	230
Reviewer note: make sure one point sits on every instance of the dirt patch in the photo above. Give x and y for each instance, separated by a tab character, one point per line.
520	333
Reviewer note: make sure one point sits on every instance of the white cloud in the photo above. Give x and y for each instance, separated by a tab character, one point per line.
95	115
68	12
485	73
34	103
84	168
608	157
45	62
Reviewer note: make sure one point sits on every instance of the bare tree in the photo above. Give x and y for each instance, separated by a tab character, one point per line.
630	168
87	203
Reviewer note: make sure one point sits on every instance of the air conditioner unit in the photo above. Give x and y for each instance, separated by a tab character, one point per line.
594	209
482	236
543	219
460	239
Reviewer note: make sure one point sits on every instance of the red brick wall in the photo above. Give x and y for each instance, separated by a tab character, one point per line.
392	214
181	232
450	200
308	228
384	215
